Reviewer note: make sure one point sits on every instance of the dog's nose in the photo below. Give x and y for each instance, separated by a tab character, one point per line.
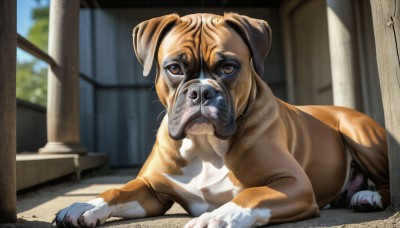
201	93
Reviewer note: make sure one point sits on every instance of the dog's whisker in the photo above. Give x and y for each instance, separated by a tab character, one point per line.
151	88
161	114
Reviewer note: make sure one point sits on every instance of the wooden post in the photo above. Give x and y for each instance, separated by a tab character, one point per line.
8	45
386	22
344	65
63	81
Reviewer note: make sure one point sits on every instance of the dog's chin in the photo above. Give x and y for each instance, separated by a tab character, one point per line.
200	126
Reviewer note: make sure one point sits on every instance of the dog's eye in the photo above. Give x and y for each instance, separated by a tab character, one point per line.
175	69
228	69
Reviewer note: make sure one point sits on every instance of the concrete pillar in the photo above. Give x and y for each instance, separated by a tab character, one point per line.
343	53
8	45
63	82
285	10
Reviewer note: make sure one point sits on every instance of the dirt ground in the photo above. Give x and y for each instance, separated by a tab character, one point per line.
37	208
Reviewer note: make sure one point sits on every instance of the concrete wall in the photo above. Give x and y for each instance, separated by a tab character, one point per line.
123	122
31	127
312	78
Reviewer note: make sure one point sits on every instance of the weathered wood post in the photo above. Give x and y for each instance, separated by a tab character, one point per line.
386	22
63	82
8	45
344	65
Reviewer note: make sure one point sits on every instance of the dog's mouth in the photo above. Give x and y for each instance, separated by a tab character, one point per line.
214	117
201	124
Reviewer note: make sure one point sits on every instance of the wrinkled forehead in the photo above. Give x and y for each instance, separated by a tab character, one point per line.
205	36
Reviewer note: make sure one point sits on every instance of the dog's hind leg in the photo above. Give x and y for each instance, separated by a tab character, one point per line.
357	181
368	148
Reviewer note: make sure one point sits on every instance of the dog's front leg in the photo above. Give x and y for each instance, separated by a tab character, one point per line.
133	200
282	201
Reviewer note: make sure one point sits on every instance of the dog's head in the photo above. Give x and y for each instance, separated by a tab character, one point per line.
206	66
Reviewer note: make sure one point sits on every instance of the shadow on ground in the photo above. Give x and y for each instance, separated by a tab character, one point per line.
37	209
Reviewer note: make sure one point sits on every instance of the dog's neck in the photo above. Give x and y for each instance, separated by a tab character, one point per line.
263	114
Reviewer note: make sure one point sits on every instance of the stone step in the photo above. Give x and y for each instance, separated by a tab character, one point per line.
34	169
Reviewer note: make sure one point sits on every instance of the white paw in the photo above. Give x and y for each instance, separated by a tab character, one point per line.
231	215
90	214
366	201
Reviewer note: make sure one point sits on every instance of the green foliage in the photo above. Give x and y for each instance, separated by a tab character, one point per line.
32	83
40	13
38	33
32	75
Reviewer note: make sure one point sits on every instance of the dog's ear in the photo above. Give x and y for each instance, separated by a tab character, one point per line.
256	33
147	36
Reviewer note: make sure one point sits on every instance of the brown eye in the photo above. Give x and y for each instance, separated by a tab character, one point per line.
228	69
175	69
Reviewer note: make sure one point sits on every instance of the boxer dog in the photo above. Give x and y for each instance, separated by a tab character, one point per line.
228	151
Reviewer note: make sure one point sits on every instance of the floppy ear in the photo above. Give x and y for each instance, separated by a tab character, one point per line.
257	35
147	36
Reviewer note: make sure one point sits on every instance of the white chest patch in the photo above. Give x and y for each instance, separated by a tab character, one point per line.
204	184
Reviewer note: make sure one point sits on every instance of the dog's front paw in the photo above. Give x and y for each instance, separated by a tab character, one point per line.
231	215
90	214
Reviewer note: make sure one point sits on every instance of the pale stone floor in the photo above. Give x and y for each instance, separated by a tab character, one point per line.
37	208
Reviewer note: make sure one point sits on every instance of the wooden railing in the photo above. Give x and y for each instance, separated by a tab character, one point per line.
32	49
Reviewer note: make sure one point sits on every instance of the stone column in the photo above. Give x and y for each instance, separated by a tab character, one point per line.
343	53
63	82
8	45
